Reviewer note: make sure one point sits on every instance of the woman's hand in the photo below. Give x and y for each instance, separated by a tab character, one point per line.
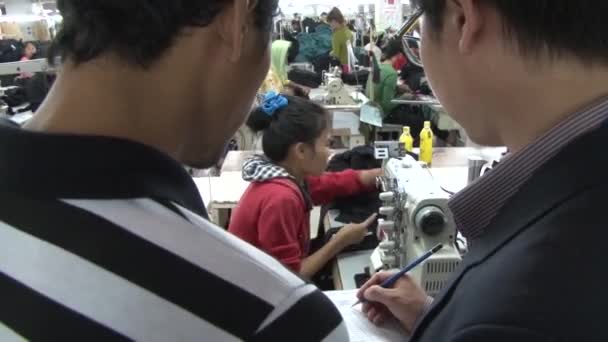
352	234
368	177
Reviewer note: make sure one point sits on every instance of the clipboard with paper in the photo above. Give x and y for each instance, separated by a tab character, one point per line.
360	329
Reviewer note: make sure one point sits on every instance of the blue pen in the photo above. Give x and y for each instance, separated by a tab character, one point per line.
388	283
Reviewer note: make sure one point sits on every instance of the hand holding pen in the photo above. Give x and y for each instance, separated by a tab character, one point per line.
405	300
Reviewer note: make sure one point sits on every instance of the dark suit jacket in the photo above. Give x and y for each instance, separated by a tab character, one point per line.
540	273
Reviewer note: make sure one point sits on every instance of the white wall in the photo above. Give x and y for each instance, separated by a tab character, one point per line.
18	7
307	7
385	15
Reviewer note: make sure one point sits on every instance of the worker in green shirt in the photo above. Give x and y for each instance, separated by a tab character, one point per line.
340	39
387	89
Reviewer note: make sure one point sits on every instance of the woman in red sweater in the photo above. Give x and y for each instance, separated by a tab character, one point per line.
274	212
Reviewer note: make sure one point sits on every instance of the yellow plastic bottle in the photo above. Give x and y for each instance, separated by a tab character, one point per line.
407	139
426	144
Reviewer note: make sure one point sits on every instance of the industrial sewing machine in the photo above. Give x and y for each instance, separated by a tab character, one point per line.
416	218
337	93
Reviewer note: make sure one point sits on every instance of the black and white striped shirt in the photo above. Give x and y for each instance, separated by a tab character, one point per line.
103	239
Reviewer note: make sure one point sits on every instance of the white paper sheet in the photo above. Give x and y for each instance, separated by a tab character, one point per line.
359	327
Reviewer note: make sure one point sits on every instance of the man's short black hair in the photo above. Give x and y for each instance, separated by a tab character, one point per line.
139	31
559	27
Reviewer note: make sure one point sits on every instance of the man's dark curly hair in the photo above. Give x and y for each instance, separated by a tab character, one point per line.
139	31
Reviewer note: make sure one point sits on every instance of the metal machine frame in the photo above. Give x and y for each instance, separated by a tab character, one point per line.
416	218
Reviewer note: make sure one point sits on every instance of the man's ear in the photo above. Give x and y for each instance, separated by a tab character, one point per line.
233	25
466	18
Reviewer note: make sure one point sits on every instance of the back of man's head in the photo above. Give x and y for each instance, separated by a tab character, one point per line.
480	56
555	26
173	63
138	31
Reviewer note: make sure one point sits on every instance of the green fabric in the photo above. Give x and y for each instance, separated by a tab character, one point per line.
385	91
339	40
314	45
278	59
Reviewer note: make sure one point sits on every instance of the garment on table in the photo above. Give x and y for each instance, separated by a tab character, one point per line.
412	75
545	244
105	239
274	212
305	78
340	40
385	89
361	206
38	88
315	45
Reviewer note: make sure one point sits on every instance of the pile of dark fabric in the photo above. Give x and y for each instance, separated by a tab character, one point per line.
352	209
11	50
30	91
356	78
412	75
314	44
357	208
15	97
305	77
38	87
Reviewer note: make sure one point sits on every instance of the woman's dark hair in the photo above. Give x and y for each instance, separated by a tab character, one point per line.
392	49
301	121
336	15
139	31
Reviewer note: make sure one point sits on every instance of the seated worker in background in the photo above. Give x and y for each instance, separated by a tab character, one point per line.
390	88
342	36
274	212
277	79
400	60
29	51
323	18
112	244
387	89
411	74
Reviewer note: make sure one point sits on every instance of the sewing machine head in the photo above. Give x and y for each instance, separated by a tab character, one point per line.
337	93
416	217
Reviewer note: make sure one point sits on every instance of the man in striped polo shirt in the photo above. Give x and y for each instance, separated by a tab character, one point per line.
102	232
531	75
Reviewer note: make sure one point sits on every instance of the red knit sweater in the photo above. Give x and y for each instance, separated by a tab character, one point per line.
274	216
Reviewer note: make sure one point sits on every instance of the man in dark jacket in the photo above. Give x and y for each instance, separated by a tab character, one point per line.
531	75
